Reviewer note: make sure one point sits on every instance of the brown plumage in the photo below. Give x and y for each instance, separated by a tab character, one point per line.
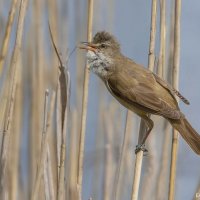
137	88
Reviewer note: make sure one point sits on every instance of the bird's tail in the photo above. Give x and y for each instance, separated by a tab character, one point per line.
188	133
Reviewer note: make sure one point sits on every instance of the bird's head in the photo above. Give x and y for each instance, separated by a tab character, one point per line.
101	51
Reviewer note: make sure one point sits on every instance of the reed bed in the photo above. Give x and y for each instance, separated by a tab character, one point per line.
63	136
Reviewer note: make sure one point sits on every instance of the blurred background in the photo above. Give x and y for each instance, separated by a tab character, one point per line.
37	70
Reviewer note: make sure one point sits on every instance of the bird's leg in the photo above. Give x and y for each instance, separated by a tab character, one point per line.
149	123
149	126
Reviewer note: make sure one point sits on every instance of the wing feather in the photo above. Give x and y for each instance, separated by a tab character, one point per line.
171	89
129	89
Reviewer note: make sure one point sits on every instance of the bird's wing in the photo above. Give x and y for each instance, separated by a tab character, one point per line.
170	89
142	94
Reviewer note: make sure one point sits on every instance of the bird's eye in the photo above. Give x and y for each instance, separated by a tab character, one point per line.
103	46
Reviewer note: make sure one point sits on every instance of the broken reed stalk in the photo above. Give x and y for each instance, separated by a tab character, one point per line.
64	82
58	128
63	90
175	80
40	167
84	105
4	47
151	60
11	98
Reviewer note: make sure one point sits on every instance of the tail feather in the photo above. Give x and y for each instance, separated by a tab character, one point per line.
188	133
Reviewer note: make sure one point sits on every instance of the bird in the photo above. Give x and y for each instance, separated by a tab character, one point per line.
137	88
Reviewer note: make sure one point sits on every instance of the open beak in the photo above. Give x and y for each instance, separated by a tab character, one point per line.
88	46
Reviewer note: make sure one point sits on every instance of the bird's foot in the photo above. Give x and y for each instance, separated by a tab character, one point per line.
140	147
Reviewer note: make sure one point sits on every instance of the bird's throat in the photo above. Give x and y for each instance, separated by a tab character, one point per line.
99	63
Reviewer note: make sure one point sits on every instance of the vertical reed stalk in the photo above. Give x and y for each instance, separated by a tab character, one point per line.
38	89
49	185
151	57
107	124
123	153
84	105
161	60
138	166
163	177
151	172
14	153
3	54
164	166
4	47
139	155
42	158
48	177
11	99
72	171
126	180
175	80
